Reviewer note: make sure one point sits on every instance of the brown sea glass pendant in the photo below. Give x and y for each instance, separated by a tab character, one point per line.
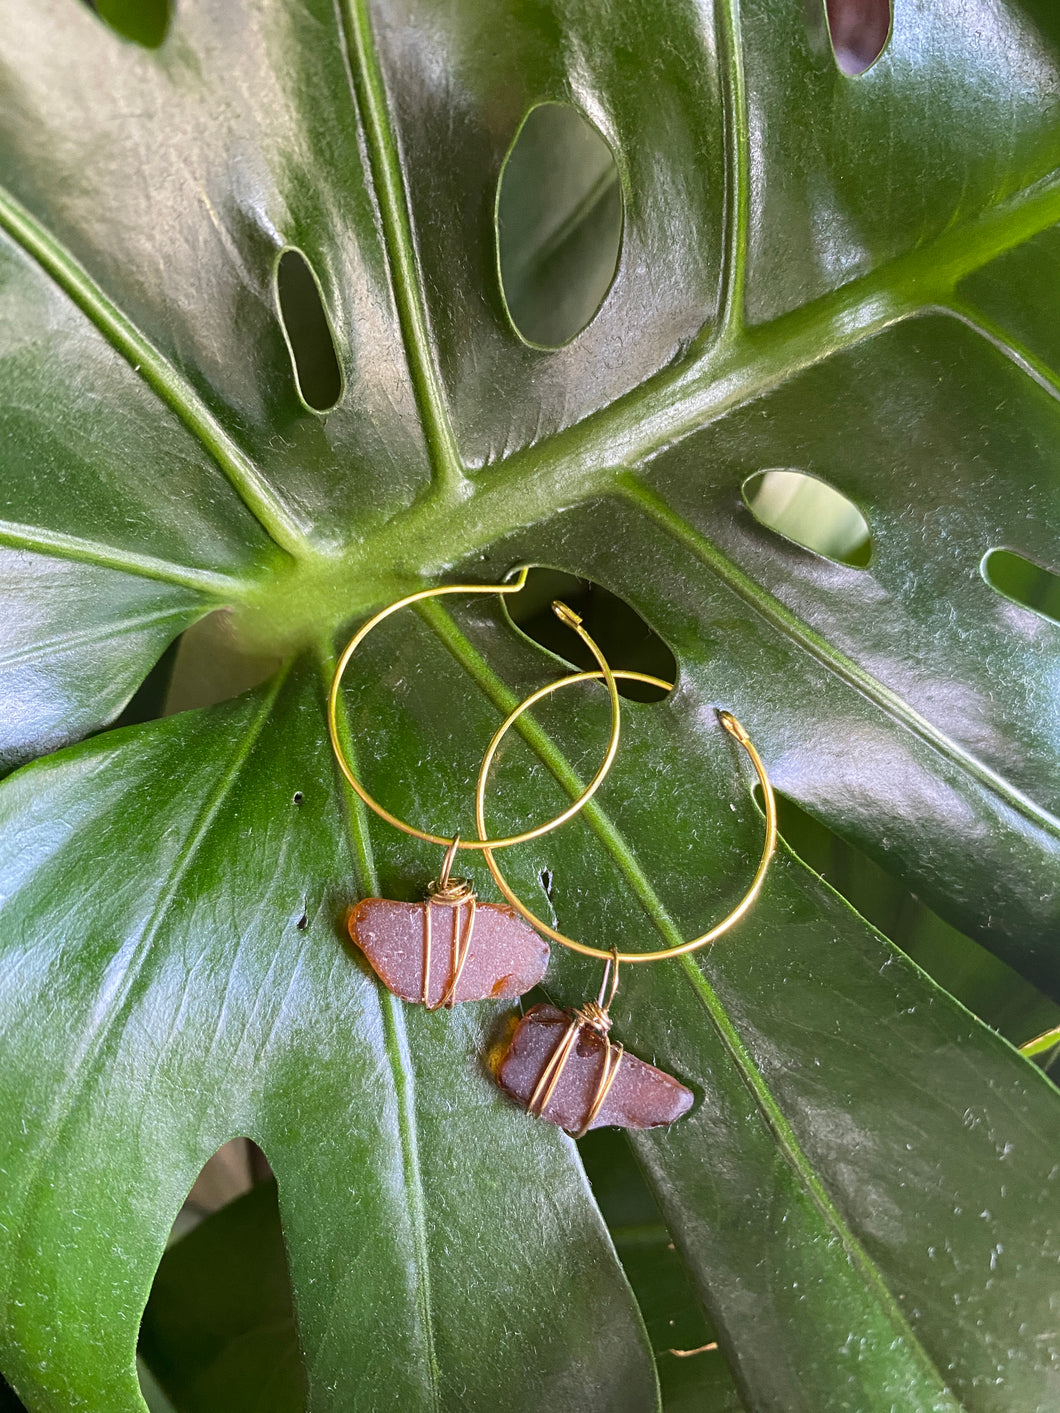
562	1066
449	948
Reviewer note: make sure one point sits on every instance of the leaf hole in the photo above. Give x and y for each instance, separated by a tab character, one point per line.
990	989
148	702
298	797
145	22
559	220
202	666
1023	581
9	1399
305	327
220	1317
810	513
212	665
624	638
661	1283
547	880
859	30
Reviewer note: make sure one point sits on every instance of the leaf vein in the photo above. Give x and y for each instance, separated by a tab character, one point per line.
370	90
155	369
397	1053
792	627
59	545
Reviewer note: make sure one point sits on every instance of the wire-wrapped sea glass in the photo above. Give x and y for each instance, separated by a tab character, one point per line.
504	956
638	1095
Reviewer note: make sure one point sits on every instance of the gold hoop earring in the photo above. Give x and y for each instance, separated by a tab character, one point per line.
562	1065
491	951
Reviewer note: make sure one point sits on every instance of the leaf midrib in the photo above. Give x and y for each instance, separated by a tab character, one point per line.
396	1043
368	85
624	857
736	136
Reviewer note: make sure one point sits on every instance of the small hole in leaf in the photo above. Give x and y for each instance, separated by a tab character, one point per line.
298	797
303	922
1023	581
811	513
859	30
559	224
308	334
143	21
625	640
220	1307
546	882
988	987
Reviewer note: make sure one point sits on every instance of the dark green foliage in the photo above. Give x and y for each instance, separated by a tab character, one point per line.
850	277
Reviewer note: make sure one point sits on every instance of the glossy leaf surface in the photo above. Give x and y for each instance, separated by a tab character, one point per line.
841	276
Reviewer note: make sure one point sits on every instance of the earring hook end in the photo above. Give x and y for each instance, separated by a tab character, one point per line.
733	727
566	614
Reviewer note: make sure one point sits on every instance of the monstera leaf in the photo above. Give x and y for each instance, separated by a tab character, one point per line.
853	277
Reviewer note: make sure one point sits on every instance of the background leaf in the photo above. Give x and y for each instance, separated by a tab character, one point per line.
835	275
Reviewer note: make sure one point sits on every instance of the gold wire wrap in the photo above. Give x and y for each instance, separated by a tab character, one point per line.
460	944
592	1016
565	615
734	729
450	893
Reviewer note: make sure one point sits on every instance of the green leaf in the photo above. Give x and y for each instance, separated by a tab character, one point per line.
143	21
372	1116
847	277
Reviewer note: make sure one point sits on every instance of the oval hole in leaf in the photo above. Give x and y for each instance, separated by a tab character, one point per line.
989	988
618	629
220	1315
145	22
559	224
1023	581
811	513
308	333
859	30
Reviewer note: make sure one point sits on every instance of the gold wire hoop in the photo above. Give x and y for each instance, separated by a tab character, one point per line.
454	842
734	729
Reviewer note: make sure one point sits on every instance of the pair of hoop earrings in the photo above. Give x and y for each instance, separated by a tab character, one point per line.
561	1066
